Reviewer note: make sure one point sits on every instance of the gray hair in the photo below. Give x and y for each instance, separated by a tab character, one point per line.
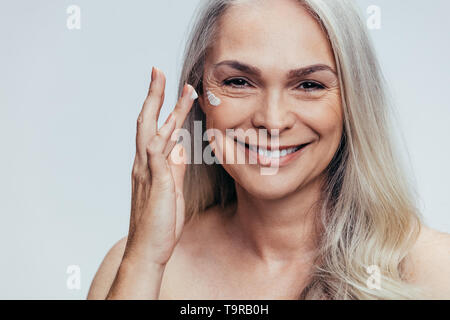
368	210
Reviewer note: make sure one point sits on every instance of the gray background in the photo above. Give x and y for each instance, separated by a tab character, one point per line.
69	100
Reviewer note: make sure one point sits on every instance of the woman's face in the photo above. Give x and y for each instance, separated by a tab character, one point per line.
272	68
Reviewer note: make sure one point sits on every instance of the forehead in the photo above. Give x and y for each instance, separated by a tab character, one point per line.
268	32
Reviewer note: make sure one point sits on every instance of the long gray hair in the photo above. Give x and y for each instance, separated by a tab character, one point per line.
368	212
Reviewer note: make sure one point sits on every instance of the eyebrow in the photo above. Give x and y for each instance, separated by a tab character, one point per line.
301	72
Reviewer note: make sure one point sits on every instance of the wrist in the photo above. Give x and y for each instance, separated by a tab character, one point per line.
137	280
140	266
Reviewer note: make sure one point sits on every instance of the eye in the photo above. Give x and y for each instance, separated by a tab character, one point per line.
236	83
311	86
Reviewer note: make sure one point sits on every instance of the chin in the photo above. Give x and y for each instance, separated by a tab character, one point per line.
270	187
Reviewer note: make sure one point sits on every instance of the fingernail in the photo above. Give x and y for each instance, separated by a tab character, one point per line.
188	88
153	73
194	94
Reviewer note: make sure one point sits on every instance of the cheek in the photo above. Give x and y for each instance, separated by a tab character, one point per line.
229	114
324	116
326	120
224	107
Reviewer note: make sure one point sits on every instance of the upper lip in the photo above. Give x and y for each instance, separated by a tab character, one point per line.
272	147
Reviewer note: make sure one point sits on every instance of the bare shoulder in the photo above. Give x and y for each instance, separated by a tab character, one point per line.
107	271
191	249
430	263
200	242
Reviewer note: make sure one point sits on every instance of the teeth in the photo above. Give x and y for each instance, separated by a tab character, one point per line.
276	153
272	154
290	150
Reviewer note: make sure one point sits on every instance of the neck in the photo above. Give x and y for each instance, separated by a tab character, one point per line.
278	231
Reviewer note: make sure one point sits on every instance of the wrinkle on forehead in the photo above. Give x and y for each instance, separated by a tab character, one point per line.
269	31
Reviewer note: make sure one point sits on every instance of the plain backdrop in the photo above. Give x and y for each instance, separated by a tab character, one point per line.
69	100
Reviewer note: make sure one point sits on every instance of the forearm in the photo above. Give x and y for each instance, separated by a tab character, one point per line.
136	281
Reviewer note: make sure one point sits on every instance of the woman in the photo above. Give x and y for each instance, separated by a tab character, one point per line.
335	220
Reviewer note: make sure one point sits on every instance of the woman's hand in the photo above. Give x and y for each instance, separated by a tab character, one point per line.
157	205
157	208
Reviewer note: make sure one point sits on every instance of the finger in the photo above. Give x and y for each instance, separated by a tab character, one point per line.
178	170
166	131
180	214
177	165
181	111
148	117
157	162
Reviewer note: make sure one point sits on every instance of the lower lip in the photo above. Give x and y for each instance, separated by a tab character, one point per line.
271	162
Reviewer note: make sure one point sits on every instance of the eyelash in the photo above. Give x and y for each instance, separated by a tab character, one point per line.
228	82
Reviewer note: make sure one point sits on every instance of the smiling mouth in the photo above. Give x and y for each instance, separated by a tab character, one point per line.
275	153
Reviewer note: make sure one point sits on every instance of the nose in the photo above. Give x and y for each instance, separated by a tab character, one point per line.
273	114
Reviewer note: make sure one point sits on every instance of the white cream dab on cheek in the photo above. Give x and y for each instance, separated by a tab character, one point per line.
212	98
